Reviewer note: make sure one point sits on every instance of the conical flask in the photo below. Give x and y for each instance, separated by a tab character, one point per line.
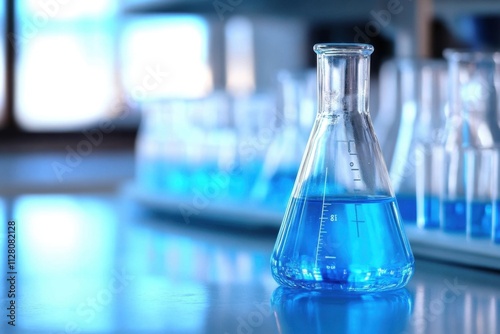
342	229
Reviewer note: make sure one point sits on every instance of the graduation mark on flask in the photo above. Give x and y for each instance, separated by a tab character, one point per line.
351	148
323	218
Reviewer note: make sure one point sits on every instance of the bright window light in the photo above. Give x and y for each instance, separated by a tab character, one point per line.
65	73
78	60
165	56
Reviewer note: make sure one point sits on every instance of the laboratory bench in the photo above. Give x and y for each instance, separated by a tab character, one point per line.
102	262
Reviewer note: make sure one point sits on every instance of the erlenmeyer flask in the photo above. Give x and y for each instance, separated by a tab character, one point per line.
342	230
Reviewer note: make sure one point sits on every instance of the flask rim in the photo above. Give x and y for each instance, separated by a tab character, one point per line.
343	49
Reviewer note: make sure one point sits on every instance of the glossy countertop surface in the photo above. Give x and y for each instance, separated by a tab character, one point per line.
102	264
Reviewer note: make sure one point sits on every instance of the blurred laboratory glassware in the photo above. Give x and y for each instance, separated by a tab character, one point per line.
212	147
161	156
429	128
480	164
474	92
293	122
495	183
453	190
428	184
412	98
252	116
472	122
304	312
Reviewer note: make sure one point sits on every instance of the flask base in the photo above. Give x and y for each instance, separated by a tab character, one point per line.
345	281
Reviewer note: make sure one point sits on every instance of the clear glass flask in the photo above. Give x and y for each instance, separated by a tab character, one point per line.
342	228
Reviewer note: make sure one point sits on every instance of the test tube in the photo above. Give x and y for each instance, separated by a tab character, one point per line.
479	191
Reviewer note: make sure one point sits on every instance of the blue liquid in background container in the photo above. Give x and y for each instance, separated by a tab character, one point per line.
241	179
280	186
430	218
408	207
496	222
480	219
165	177
342	244
454	215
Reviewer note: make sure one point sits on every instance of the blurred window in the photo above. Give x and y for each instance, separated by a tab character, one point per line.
78	61
165	56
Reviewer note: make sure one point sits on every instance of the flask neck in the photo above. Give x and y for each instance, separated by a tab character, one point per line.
343	78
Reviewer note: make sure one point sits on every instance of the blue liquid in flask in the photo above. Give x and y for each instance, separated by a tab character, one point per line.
347	244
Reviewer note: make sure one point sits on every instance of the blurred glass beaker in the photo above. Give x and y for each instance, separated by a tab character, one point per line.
161	156
304	312
428	184
294	119
495	183
472	122
213	150
412	98
480	165
252	115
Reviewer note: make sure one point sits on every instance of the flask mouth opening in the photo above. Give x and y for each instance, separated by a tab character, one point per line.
343	49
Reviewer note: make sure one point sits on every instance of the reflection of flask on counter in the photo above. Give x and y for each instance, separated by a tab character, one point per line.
342	228
304	312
